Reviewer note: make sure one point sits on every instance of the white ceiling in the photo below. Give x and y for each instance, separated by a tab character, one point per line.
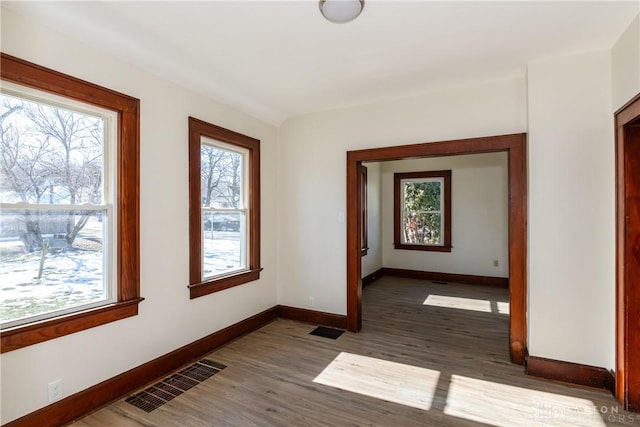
278	59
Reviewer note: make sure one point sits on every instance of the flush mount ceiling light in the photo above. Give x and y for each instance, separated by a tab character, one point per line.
340	11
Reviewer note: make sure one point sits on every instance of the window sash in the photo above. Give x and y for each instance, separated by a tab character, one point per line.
404	211
244	176
108	270
110	126
243	210
243	242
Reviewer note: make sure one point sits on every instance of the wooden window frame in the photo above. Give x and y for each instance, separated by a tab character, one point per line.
364	210
197	286
397	210
27	74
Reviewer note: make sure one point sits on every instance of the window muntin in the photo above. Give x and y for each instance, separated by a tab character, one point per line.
57	214
229	211
422	211
225	208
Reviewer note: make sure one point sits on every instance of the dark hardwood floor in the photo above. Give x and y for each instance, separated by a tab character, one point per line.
428	355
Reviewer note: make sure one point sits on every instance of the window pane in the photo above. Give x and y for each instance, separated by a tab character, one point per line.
223	244
422	195
49	154
422	228
69	272
221	177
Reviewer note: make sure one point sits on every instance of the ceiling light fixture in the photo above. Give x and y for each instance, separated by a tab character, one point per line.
341	11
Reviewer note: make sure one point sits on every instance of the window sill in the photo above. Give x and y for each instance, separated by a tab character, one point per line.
34	333
429	248
197	290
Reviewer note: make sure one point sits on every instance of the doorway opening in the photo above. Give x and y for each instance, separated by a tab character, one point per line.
515	147
628	255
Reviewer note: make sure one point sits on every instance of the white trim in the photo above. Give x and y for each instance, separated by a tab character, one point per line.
48	207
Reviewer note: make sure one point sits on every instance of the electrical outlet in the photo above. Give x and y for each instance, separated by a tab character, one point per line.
312	302
495	263
55	390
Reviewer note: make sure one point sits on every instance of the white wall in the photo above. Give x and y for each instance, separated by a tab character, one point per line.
372	261
571	202
312	153
480	210
626	65
167	319
571	209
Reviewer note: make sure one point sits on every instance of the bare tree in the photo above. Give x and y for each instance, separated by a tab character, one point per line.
233	180
76	162
21	171
49	149
21	160
211	158
220	176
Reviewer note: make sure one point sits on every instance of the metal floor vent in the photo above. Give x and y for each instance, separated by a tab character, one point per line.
173	386
324	332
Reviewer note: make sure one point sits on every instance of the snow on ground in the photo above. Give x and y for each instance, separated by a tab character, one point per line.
221	252
75	277
69	279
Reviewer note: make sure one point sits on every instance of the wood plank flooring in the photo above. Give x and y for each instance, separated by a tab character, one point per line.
428	355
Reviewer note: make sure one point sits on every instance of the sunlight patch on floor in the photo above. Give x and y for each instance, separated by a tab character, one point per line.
503	307
394	382
459	303
498	404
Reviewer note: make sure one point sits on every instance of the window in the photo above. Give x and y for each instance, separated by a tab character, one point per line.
364	226
422	211
68	204
224	197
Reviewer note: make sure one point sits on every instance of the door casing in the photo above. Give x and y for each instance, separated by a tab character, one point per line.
627	121
515	147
